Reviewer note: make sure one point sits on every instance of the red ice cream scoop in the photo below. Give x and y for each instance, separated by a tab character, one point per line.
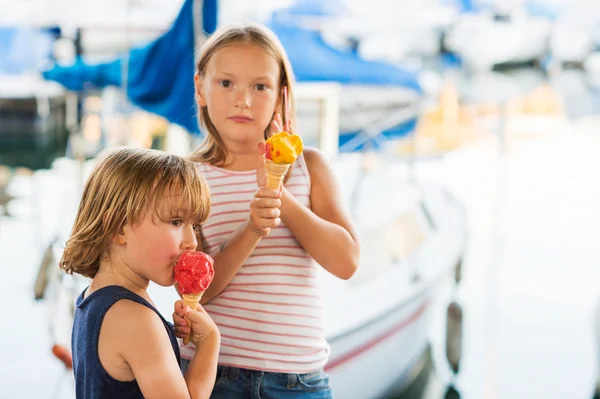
194	272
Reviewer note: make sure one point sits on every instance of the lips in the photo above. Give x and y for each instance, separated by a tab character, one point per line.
241	119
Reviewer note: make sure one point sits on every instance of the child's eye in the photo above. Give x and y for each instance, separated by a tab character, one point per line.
176	222
197	228
261	87
225	83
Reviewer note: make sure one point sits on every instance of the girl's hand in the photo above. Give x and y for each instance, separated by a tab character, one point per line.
275	127
264	211
202	326
276	124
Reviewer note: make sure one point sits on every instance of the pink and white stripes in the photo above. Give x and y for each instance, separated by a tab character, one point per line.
270	315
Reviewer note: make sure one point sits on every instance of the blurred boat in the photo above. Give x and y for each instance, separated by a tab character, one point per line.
484	39
412	237
411	244
32	110
575	32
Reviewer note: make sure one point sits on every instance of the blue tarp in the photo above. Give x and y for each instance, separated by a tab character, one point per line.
468	6
313	60
81	76
160	75
25	49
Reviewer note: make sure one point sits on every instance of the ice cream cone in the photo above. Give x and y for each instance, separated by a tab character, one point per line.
191	300
275	173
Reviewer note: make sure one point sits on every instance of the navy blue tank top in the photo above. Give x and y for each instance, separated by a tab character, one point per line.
91	380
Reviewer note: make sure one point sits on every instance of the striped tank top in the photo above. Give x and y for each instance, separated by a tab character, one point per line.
271	314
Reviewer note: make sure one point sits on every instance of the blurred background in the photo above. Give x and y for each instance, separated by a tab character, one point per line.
465	134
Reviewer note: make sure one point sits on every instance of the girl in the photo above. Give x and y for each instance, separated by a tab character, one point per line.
137	215
266	243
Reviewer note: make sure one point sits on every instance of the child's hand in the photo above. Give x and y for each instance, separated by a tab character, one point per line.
276	126
264	211
202	325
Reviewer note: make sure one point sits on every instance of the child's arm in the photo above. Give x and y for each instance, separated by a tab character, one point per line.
327	233
139	337
205	335
264	215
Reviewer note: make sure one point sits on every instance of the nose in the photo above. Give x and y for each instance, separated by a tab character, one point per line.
189	242
242	98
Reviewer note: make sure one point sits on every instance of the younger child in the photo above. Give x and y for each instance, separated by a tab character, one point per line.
137	215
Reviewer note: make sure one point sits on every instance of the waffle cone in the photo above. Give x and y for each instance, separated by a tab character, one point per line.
275	173
191	300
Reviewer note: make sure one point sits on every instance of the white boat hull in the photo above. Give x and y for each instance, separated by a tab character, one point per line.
482	42
388	348
379	322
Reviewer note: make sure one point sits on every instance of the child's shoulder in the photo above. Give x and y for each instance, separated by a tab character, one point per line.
126	318
315	160
131	333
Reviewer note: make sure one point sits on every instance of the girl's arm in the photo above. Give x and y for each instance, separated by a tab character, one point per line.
327	232
230	258
264	215
150	355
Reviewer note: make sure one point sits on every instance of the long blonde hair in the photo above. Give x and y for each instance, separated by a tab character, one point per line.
212	150
125	184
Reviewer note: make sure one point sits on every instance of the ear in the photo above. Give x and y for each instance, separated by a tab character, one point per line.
200	97
122	234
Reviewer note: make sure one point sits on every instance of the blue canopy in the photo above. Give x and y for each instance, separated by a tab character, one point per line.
160	75
468	6
313	60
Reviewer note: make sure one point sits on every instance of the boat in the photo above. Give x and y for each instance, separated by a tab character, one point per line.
574	33
484	39
378	323
32	110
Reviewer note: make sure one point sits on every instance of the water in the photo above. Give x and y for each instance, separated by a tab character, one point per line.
530	288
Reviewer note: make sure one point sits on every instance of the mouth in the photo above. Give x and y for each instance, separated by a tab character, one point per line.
241	119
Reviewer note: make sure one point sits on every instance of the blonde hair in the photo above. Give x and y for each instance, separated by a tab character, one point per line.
212	150
124	185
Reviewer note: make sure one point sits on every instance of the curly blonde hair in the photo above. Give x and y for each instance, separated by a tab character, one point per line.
124	185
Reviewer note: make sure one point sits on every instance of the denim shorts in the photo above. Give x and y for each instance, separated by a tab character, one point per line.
236	383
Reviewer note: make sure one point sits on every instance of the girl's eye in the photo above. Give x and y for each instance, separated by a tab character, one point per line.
261	87
197	228
176	222
225	83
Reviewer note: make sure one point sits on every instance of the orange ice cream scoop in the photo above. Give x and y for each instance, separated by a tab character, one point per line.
283	148
194	272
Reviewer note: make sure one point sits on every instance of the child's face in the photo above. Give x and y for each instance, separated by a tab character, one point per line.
153	246
240	87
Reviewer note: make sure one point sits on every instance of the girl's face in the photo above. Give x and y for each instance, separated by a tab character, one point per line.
151	247
240	87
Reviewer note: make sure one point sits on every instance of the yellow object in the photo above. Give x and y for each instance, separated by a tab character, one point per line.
284	148
191	300
446	127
